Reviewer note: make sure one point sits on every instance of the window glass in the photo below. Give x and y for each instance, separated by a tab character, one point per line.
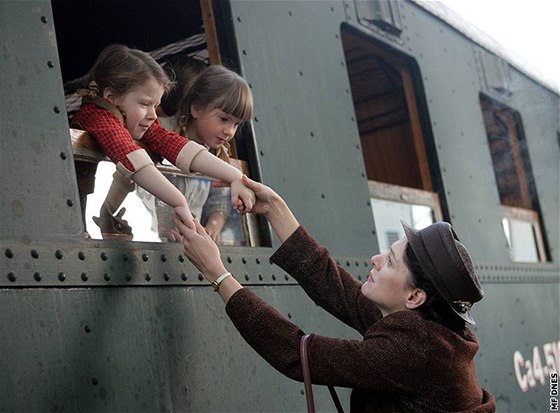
388	216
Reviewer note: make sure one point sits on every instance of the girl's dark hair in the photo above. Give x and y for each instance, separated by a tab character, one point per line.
435	308
184	70
122	68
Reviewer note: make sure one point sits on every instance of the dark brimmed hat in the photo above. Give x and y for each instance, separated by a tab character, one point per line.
447	264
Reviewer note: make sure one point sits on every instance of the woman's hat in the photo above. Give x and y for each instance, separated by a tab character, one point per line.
447	264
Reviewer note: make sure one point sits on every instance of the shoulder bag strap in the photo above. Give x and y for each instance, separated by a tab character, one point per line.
307	379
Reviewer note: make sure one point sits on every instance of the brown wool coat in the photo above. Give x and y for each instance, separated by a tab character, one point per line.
404	363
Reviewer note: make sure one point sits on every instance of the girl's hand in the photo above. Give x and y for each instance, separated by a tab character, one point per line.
214	226
201	250
242	197
184	214
265	196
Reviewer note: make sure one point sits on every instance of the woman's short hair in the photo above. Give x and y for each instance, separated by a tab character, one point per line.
435	308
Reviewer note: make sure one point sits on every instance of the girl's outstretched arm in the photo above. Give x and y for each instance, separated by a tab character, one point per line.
207	164
155	183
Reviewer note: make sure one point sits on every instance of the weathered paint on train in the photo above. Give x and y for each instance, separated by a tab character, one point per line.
90	325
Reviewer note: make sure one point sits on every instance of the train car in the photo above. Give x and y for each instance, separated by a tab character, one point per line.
366	112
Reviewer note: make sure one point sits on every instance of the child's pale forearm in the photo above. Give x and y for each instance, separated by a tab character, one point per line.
155	183
207	164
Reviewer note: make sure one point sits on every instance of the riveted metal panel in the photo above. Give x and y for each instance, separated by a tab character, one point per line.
118	326
140	350
39	192
306	134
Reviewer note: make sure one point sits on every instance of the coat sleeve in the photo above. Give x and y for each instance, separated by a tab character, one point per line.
377	363
325	282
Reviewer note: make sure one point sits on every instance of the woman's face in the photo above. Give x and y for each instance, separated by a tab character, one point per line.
212	127
388	284
138	106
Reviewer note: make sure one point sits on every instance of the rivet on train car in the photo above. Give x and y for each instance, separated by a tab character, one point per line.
300	73
181	258
311	134
184	277
261	277
323	196
244	260
50	64
289	315
286	277
257	260
69	202
125	257
44	19
200	277
56	109
11	277
147	277
61	276
144	257
244	52
9	253
229	260
94	381
84	276
347	263
246	277
87	329
81	255
104	256
62	155
128	276
107	276
163	258
273	277
37	276
256	119
166	276
58	254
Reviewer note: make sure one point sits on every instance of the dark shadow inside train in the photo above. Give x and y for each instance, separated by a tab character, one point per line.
401	166
169	31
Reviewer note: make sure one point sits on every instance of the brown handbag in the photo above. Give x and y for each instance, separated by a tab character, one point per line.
307	379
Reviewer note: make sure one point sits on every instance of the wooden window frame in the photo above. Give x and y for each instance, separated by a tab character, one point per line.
532	217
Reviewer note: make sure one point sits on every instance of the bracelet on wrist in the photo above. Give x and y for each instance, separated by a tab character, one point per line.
216	283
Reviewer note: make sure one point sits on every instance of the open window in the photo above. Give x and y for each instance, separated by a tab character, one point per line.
392	139
169	31
514	177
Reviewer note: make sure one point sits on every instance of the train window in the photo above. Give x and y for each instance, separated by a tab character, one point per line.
391	204
513	172
190	31
392	140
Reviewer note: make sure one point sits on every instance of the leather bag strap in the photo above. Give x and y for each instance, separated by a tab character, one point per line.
307	379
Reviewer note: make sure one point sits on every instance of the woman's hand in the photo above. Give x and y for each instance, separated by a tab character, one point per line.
273	207
184	214
242	197
201	250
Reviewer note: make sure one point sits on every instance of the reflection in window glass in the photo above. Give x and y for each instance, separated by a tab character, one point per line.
388	216
521	240
150	219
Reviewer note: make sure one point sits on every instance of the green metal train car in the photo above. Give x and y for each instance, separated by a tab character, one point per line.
366	112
